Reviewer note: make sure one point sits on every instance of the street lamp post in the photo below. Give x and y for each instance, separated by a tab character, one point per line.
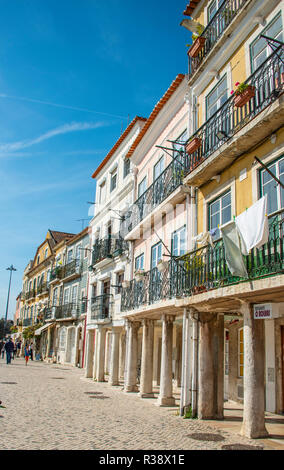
11	269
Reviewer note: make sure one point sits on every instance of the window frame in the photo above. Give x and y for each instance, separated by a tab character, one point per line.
278	190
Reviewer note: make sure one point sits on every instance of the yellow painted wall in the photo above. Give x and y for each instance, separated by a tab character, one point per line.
244	189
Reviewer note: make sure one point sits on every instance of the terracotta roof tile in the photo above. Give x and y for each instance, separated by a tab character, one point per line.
191	7
59	236
175	84
117	144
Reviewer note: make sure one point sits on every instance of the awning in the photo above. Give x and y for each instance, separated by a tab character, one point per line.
41	329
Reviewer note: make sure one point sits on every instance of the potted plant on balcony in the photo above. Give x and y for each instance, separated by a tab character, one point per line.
125	284
162	266
192	145
139	275
243	94
198	42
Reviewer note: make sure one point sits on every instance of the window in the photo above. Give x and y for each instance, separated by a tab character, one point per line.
113	180
217	97
119	280
139	262
94	291
66	296
219	212
213	7
156	254
275	194
142	187
179	242
102	196
126	167
69	256
55	295
45	253
74	294
159	168
259	49
78	252
241	352
38	258
179	147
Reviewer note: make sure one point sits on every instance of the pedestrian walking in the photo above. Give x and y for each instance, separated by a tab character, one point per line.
3	350
9	348
27	353
19	344
32	351
15	350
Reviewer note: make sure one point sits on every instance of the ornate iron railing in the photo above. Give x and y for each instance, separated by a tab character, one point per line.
43	287
61	272
215	29
268	81
167	182
101	307
65	311
30	294
205	269
108	248
27	322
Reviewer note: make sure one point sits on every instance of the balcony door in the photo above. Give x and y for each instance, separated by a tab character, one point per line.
158	184
260	49
155	275
106	297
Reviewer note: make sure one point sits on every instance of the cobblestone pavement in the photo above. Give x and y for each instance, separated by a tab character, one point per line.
55	407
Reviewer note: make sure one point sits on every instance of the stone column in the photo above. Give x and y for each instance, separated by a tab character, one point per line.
132	356
206	408
146	379
48	346
166	386
90	353
254	360
122	345
114	357
100	359
218	365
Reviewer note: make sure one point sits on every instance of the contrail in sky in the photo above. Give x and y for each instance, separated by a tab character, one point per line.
73	108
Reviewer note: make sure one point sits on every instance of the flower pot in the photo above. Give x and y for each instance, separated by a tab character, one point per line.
193	145
125	284
245	97
196	46
162	266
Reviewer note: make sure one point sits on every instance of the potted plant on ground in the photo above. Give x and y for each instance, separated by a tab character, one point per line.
243	94
198	42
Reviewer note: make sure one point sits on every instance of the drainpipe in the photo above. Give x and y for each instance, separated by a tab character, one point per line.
181	407
194	376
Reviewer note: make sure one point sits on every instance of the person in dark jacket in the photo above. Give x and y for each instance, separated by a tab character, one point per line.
9	348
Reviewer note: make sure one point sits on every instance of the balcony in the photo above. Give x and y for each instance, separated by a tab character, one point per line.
154	287
205	269
101	307
268	81
42	288
215	30
30	294
27	322
108	248
168	181
70	270
65	311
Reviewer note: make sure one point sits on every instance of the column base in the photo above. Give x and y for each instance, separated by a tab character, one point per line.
169	401
113	384
146	395
131	389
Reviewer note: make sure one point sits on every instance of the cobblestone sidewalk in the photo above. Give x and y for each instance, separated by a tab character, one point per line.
55	407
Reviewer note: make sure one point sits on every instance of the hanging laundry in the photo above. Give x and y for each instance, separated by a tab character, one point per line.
204	238
253	226
233	255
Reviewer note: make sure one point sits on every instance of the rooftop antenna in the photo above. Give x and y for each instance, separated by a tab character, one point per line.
83	222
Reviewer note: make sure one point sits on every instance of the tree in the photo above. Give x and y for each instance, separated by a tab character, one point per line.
5	329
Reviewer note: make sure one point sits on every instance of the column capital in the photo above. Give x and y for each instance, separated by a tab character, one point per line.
147	321
168	318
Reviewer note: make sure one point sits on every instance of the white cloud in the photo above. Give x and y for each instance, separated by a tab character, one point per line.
65	129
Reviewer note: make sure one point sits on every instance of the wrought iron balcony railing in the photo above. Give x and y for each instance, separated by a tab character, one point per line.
169	180
268	81
215	29
61	272
43	287
65	311
30	294
205	269
108	248
101	307
27	322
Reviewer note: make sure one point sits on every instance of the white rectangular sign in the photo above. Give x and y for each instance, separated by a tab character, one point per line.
262	311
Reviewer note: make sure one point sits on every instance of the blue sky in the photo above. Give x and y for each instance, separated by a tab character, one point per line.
71	73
